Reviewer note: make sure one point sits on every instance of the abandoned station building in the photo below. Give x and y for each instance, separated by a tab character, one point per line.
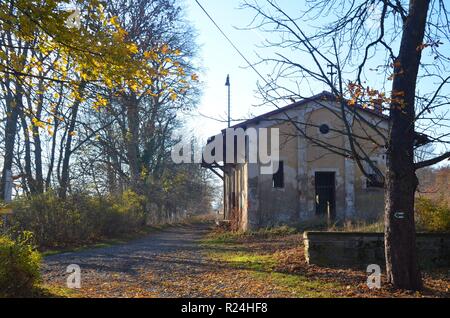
312	181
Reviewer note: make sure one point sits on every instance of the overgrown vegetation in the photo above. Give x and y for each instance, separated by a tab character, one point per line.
82	219
78	219
19	265
432	216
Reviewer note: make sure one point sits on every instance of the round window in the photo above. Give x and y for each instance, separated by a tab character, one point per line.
324	129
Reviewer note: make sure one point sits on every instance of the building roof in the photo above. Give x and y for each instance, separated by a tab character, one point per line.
322	96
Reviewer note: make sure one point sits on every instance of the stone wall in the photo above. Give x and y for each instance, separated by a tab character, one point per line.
338	249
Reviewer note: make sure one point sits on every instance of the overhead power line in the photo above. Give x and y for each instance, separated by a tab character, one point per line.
231	43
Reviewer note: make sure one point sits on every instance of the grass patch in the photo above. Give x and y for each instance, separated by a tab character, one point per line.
263	267
227	237
256	262
47	291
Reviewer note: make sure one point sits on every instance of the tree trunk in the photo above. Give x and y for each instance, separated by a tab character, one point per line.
29	181
401	182
39	188
132	141
65	172
48	179
10	137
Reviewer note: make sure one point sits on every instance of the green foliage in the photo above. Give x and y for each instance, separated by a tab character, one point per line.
265	267
79	219
432	216
19	265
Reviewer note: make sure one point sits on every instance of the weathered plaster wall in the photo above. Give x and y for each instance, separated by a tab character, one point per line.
280	205
320	159
262	205
369	202
236	194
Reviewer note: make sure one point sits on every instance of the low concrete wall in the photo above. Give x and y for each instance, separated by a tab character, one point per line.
349	249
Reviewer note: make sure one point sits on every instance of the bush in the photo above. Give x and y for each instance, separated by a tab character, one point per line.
432	216
19	265
79	219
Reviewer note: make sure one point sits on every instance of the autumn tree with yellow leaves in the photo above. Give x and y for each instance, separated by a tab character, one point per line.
91	90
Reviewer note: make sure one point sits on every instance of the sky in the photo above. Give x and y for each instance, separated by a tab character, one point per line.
218	58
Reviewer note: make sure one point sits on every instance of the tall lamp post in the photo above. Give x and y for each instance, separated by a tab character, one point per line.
227	83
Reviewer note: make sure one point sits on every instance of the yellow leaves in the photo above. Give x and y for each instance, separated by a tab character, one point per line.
50	131
194	77
3	55
100	102
134	86
147	81
114	21
181	71
84	76
73	133
144	173
108	82
120	34
366	97
164	72
150	55
164	49
37	123
75	95
173	96
133	48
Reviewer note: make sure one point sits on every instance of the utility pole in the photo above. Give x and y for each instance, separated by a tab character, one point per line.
331	72
227	83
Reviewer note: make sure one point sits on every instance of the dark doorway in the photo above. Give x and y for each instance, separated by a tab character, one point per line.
325	194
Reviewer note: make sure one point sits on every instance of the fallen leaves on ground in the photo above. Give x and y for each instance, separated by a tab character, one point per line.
249	266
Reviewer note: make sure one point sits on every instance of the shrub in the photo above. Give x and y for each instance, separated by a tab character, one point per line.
432	216
79	219
19	265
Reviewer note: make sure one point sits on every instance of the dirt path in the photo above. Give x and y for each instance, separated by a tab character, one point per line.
170	263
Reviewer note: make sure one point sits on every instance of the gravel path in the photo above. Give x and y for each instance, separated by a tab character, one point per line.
169	263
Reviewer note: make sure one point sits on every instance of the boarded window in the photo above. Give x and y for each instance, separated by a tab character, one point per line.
375	181
278	177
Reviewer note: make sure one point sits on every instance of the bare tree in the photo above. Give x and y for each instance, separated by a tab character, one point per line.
376	50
